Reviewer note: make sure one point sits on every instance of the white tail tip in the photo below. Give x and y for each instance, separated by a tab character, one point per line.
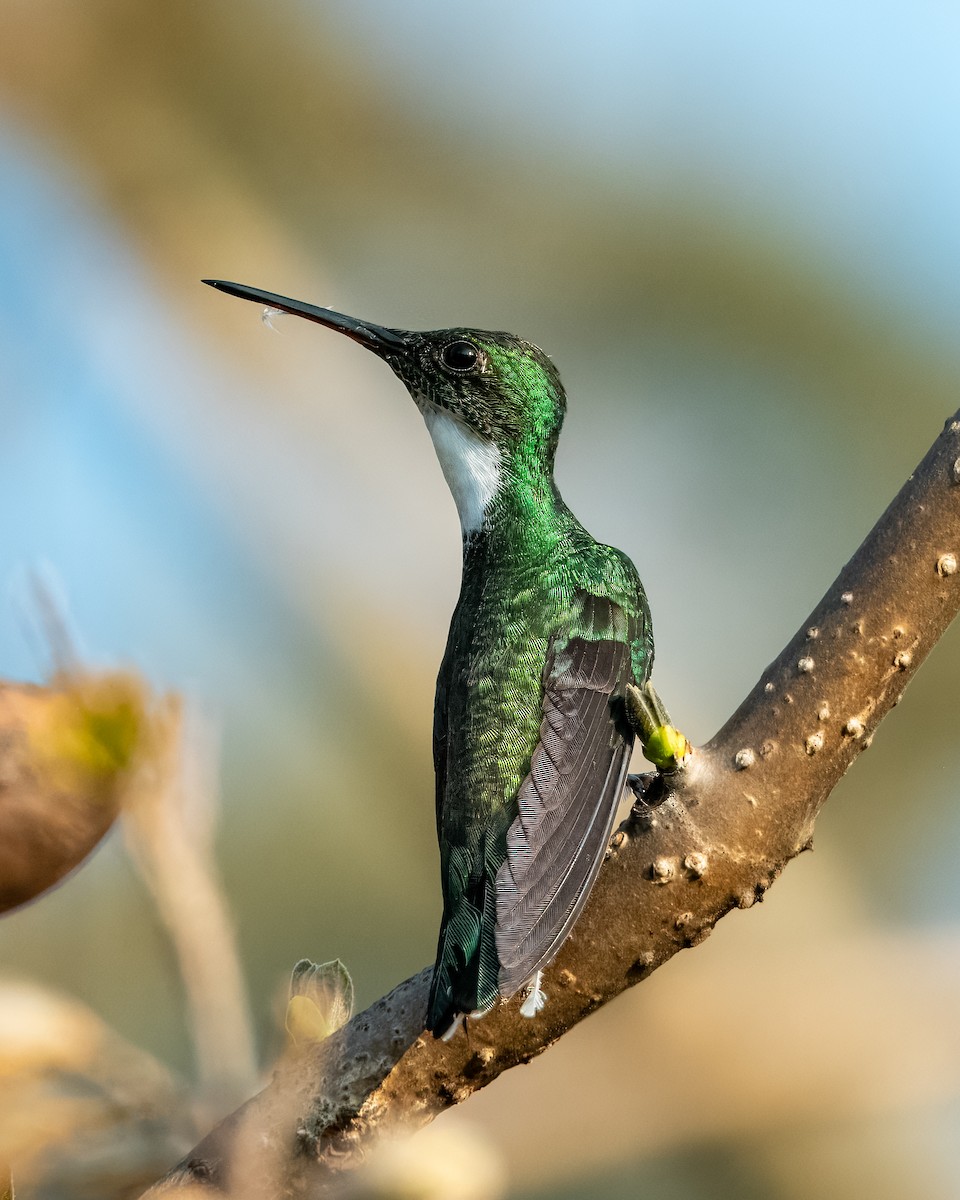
536	997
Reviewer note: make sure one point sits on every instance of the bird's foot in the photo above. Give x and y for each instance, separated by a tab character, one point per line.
458	1022
667	748
662	743
452	1028
536	997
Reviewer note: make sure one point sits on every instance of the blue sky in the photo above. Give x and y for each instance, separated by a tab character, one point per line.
841	119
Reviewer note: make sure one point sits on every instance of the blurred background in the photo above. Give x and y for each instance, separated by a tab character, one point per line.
734	227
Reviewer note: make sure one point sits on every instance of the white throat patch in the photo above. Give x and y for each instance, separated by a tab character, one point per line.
470	466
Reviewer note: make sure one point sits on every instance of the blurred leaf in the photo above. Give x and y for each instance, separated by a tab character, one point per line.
63	754
92	725
83	1113
321	1000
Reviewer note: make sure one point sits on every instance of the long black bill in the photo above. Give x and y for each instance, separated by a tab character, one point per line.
377	338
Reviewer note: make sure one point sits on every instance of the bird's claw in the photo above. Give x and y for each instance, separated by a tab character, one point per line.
667	748
662	743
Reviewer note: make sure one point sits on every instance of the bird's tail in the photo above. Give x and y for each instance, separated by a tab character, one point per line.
465	977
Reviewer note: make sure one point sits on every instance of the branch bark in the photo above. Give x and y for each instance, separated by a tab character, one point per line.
699	844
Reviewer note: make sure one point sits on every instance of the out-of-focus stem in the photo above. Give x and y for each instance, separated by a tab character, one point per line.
169	827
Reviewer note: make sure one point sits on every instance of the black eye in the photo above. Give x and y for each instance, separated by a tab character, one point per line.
460	356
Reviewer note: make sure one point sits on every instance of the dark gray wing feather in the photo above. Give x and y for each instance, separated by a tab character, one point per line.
566	805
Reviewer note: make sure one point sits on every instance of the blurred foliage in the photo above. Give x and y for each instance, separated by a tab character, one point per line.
65	756
82	1112
321	1001
93	726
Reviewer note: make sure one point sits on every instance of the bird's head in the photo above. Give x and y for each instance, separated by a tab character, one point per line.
493	403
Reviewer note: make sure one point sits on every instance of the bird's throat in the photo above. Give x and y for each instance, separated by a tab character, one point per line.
471	466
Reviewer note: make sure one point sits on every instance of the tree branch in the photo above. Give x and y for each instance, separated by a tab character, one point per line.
697	845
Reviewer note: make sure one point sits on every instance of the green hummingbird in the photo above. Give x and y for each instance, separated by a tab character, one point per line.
532	732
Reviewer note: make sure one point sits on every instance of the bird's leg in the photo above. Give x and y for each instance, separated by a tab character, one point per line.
663	744
452	1028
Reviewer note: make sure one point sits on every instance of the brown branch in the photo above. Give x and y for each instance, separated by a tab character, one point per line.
712	839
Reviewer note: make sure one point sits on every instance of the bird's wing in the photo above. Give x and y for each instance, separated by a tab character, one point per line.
440	733
568	802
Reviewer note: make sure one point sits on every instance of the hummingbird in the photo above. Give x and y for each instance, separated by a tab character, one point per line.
551	635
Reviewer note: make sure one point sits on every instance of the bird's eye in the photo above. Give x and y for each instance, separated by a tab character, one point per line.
460	356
